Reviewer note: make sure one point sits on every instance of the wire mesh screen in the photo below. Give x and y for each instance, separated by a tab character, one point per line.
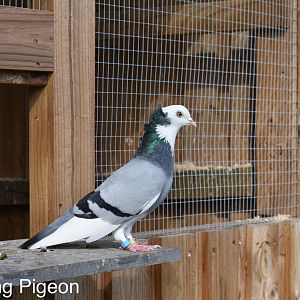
232	64
29	4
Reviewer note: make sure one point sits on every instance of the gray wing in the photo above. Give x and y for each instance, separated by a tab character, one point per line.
133	186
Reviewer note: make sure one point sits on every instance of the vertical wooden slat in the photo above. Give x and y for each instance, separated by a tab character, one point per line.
298	102
41	156
179	280
265	267
62	124
294	266
132	284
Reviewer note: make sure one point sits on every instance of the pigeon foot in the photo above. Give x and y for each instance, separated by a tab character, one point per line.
133	246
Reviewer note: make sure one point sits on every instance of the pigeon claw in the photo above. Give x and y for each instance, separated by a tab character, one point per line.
135	247
142	247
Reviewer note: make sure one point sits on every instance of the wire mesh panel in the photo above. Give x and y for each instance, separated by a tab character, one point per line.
29	4
232	64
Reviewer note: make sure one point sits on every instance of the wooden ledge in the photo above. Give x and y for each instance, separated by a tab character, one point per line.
74	260
23	78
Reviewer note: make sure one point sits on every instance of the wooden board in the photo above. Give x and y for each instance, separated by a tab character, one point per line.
180	18
62	162
27	39
244	262
62	122
297	87
276	126
74	260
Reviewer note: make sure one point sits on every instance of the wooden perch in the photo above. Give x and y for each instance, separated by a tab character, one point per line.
74	260
221	16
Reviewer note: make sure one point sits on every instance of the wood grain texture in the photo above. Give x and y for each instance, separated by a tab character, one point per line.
133	284
41	156
61	119
256	261
297	28
27	39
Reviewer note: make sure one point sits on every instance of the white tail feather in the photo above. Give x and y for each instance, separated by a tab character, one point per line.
76	229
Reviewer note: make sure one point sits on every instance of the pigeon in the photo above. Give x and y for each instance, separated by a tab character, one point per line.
128	194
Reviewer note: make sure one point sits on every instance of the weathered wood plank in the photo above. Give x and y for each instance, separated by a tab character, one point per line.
254	261
41	156
291	254
214	16
27	39
135	283
67	173
78	260
264	267
297	57
23	78
184	273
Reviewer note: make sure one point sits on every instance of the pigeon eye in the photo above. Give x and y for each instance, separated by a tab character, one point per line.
179	114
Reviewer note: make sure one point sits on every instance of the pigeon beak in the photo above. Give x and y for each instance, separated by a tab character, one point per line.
192	122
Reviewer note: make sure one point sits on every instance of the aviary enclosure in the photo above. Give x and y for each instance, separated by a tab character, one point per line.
234	203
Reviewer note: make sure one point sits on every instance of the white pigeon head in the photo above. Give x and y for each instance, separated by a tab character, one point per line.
178	116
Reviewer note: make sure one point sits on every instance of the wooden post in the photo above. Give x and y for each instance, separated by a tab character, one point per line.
62	118
298	95
62	167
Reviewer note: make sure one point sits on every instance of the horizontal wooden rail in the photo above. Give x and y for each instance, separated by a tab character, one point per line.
26	39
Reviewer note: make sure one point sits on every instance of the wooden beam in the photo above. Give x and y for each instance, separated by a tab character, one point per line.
298	97
26	39
23	78
216	16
